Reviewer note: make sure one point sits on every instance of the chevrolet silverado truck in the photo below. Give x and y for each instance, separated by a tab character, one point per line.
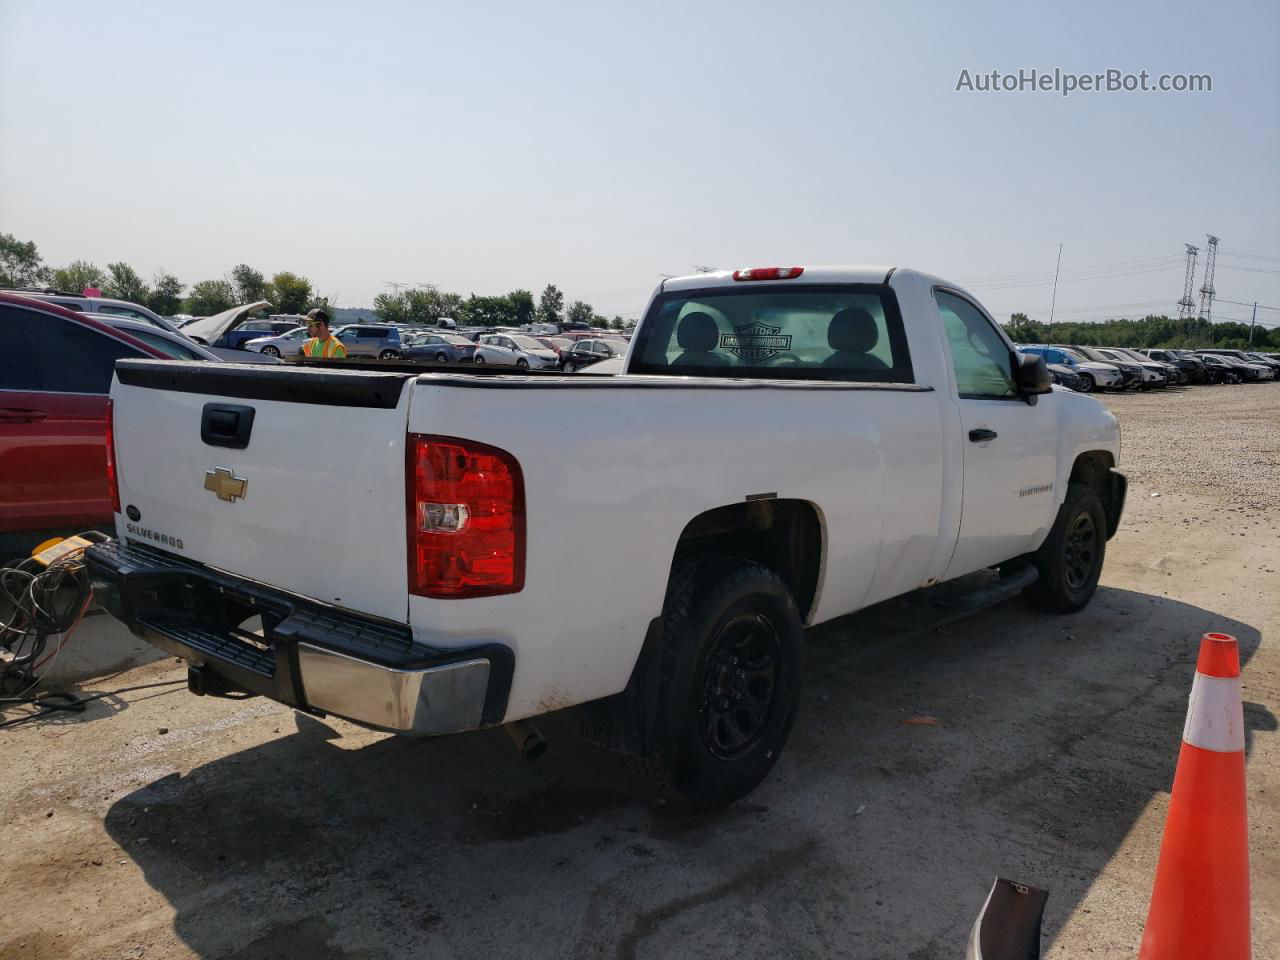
392	544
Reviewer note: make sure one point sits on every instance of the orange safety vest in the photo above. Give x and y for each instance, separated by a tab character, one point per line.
330	349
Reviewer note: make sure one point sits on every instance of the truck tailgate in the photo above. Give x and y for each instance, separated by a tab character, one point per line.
291	477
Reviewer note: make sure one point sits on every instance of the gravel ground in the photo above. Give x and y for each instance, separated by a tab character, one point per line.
160	825
1219	440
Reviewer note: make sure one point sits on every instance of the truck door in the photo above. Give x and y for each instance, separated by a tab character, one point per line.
1010	446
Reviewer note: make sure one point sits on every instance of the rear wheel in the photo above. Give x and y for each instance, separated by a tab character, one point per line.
389	355
732	663
479	358
271	351
571	367
442	358
1070	559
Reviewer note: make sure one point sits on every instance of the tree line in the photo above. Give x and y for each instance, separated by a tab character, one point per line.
22	266
1151	331
428	305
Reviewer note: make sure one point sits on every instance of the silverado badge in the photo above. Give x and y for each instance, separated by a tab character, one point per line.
225	484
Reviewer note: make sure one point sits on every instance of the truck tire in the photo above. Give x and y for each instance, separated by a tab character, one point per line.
731	670
1070	559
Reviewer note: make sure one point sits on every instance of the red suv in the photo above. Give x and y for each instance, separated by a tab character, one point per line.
55	373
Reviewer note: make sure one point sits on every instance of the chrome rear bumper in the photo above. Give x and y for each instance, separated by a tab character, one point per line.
309	655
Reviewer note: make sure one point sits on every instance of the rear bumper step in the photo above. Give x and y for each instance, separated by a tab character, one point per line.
306	654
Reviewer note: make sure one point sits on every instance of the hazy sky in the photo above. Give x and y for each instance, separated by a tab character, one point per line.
486	146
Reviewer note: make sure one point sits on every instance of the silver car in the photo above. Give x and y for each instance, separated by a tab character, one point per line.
104	308
515	350
287	344
379	340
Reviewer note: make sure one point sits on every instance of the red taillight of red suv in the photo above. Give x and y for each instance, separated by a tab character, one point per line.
465	512
113	479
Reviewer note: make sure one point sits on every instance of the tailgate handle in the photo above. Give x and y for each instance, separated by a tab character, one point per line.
226	425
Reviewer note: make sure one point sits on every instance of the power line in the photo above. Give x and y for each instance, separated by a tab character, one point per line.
1145	261
1227	266
1249	256
1239	303
1072	278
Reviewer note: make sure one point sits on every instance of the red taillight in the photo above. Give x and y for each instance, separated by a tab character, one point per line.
465	511
768	273
113	478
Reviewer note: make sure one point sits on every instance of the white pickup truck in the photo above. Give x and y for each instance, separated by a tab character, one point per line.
431	551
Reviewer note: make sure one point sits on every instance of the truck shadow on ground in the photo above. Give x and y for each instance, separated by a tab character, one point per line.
873	837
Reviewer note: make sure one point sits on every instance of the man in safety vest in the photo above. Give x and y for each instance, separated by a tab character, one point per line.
322	343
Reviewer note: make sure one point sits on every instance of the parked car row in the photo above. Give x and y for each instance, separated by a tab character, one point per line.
523	351
1091	369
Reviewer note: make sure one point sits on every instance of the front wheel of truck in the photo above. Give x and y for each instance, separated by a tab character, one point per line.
732	664
1070	559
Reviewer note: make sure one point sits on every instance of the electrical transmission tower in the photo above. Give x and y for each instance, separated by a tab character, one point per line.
1187	305
1207	293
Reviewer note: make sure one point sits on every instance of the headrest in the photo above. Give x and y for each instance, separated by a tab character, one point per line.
853	330
698	332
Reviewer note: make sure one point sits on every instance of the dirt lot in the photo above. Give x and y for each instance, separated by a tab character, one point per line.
161	825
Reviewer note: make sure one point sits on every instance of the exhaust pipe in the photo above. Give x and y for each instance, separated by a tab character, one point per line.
527	738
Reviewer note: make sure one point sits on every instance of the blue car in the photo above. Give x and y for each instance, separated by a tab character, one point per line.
236	338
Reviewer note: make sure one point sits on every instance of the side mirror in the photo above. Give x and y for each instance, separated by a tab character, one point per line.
1031	375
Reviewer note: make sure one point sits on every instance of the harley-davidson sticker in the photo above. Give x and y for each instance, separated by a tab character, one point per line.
755	342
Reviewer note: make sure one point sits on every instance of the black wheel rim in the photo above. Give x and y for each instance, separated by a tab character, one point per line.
1081	551
739	686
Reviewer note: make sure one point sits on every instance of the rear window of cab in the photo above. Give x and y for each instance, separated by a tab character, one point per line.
842	332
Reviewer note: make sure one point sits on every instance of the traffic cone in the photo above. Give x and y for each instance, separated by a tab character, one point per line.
1200	902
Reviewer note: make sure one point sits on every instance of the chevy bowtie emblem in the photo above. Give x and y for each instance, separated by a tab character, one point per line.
225	484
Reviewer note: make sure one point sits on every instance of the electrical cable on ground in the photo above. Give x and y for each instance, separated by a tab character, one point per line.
75	703
42	601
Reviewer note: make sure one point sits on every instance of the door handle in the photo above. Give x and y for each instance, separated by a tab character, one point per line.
21	415
981	434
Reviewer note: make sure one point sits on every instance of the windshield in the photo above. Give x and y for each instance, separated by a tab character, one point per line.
528	343
1077	357
164	345
807	331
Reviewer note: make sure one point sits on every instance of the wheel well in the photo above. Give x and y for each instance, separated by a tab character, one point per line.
784	535
1093	469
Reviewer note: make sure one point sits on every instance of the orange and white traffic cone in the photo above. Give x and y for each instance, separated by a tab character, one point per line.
1200	903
